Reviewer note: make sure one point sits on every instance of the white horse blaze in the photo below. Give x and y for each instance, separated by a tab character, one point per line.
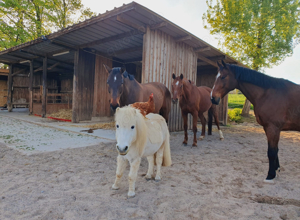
219	74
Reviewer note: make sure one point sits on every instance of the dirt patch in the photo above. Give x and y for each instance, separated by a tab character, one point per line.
276	201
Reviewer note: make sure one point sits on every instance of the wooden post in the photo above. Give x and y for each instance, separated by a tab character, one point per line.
75	106
44	98
30	88
9	89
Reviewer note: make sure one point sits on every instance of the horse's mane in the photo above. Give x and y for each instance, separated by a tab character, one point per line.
257	78
141	126
126	74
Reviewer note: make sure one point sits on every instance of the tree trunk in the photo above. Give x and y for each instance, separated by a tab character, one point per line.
246	108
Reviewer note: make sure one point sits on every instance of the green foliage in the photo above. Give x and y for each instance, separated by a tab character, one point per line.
235	115
24	20
258	33
237	101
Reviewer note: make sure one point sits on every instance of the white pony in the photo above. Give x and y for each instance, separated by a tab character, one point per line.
138	137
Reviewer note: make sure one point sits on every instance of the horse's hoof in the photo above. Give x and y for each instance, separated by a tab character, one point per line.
114	187
221	139
184	143
269	181
148	178
131	194
157	179
201	138
194	145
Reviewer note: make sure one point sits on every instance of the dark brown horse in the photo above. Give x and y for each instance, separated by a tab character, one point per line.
276	104
194	100
125	90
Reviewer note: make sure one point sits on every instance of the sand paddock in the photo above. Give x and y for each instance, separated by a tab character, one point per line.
216	180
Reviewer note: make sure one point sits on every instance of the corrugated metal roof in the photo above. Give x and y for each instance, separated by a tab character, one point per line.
101	28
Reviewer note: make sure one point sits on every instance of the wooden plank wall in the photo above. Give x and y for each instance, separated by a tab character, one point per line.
101	106
163	56
20	92
206	77
3	90
83	86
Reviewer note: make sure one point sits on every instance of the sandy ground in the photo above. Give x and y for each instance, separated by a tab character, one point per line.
216	180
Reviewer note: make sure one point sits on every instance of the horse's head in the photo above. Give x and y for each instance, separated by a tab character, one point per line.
115	83
225	82
126	131
177	88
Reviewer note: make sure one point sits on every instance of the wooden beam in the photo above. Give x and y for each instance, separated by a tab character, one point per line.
112	38
129	50
188	37
216	58
53	66
9	89
201	49
131	24
207	60
19	71
44	96
76	95
30	88
4	71
159	25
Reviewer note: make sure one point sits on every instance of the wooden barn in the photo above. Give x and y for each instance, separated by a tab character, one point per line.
65	69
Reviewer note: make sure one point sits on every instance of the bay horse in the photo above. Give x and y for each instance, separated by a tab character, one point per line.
125	90
276	104
194	100
138	136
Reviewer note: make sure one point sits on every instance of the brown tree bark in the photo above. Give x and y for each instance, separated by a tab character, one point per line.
246	108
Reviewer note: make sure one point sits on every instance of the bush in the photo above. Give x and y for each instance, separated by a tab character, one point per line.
235	115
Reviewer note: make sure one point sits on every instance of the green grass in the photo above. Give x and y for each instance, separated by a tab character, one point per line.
236	101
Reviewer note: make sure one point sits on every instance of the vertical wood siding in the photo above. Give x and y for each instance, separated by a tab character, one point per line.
101	106
162	57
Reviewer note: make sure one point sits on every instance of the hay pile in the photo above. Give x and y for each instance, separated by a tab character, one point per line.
62	113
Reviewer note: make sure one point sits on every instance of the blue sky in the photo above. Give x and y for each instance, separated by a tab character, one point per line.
188	15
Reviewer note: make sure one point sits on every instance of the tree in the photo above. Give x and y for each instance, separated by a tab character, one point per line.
259	33
24	20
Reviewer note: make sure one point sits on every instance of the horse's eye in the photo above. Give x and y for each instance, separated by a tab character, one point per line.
117	126
132	127
181	86
223	77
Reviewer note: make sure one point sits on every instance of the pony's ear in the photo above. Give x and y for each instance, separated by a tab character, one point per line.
117	109
107	68
224	64
123	69
173	76
181	76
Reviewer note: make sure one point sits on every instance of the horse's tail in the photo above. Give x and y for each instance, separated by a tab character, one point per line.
167	161
210	119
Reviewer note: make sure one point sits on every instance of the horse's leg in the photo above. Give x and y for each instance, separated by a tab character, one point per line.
159	159
203	123
185	116
217	122
273	135
195	120
134	167
121	166
150	167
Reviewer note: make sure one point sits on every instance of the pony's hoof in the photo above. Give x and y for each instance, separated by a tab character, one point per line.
184	143
131	194
201	138
221	138
114	187
157	178
194	145
270	181
148	177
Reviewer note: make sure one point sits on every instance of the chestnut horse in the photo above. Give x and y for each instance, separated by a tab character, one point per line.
125	90
276	104
194	100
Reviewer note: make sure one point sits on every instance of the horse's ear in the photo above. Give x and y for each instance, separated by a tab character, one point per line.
123	69
107	68
181	76
173	76
224	64
117	109
219	64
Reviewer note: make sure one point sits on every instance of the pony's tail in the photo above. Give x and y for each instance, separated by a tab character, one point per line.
167	161
210	119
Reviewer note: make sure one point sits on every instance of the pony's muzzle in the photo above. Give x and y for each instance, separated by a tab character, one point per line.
174	101
122	151
114	107
215	101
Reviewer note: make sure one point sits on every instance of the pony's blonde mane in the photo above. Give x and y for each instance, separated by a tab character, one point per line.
141	127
